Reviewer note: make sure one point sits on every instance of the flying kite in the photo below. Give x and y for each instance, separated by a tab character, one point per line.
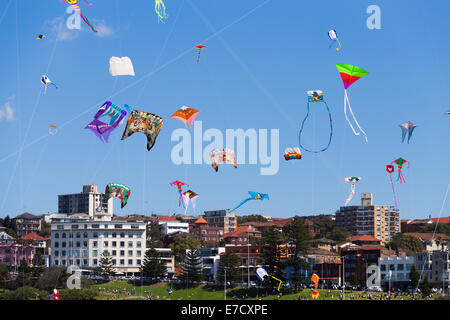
315	295
190	196
390	169
333	36
179	184
262	274
52	130
292	153
121	66
186	115
218	156
315	279
39	37
315	96
74	4
101	129
353	181
160	10
199	47
400	162
118	191
253	196
350	74
407	128
45	81
148	123
448	112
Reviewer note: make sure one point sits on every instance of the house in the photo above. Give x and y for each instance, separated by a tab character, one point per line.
241	236
251	256
326	264
171	225
4	237
37	242
13	254
430	241
364	239
26	223
208	234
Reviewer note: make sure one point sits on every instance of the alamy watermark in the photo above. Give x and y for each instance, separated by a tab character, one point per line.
374	20
191	144
74	281
74	21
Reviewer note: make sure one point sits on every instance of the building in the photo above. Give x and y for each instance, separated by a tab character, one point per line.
48	217
13	254
360	240
166	256
263	226
324	243
26	223
172	225
435	266
5	237
326	264
381	222
81	242
205	233
241	236
210	259
432	242
416	225
89	201
394	272
222	219
37	242
251	256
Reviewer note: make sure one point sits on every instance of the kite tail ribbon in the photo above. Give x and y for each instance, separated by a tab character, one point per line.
240	204
354	118
351	194
337	49
303	123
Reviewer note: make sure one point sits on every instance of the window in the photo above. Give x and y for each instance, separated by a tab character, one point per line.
64	235
122	252
114	252
138	244
56	245
130	253
95	235
114	244
78	235
78	244
400	267
95	226
392	267
56	235
138	262
63	244
105	243
130	244
138	253
122	244
85	235
114	235
94	244
94	262
95	253
130	262
56	253
122	262
118	226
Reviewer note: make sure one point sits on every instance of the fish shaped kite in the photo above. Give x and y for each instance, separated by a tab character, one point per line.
46	81
390	169
315	279
121	66
292	153
40	37
179	184
199	47
315	96
52	130
74	4
101	129
253	196
118	191
262	274
145	122
160	10
407	128
332	34
400	162
353	181
219	156
350	74
186	115
190	196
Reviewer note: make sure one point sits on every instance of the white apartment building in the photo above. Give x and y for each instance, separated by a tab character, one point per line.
168	258
435	266
81	242
394	271
172	227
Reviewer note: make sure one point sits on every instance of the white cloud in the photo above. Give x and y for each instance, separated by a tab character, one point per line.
102	29
58	28
7	111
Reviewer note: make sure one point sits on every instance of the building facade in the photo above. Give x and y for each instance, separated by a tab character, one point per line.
435	266
26	223
206	234
171	225
13	254
221	219
395	271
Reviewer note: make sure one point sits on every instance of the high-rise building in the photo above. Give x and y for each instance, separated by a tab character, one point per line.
89	201
222	219
381	222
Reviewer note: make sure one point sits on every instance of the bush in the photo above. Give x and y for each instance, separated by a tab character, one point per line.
24	293
78	294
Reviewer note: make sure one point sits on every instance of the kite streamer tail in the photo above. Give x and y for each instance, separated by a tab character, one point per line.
337	49
198	57
354	118
87	22
349	197
240	204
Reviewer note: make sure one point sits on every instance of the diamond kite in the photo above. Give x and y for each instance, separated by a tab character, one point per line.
186	115
350	74
121	66
118	191
219	156
145	122
74	4
353	181
253	196
407	128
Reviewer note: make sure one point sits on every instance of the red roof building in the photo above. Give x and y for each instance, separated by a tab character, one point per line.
241	235
364	239
205	233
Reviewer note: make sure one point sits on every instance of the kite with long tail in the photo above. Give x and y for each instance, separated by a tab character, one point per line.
199	47
253	196
353	181
160	10
74	4
350	74
400	162
179	184
390	169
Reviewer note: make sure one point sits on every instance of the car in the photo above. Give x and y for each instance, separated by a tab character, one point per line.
374	289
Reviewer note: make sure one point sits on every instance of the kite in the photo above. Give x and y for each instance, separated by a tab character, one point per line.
400	162
292	153
148	123
199	47
121	66
160	10
315	295
333	36
39	37
190	195
407	128
179	184
448	112
52	130
186	114
253	196
262	274
350	74
45	81
353	180
390	169
169	290
315	96
118	191
103	130
315	279
74	4
218	156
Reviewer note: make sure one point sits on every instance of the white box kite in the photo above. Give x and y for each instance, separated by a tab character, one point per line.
121	66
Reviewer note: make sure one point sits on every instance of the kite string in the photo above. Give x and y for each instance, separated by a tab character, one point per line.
393	190
346	100
6	10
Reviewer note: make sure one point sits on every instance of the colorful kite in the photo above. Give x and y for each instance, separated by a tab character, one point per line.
253	196
186	115
315	279
448	112
74	4
350	74
390	169
199	47
121	66
103	130
45	81
160	10
179	184
40	37
118	191
400	162
315	96
145	122
52	130
353	180
292	153
190	196
333	36
218	156
315	295
407	128
262	274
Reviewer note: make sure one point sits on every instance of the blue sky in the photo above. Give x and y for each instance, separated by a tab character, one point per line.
254	73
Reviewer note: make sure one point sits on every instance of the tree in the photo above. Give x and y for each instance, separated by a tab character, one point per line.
153	267
45	229
338	234
192	266
407	243
7	223
231	262
252	217
324	224
425	288
106	265
353	280
436	228
38	264
179	247
272	240
4	275
155	235
52	278
414	277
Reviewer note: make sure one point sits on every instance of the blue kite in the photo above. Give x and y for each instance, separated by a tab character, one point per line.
253	196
